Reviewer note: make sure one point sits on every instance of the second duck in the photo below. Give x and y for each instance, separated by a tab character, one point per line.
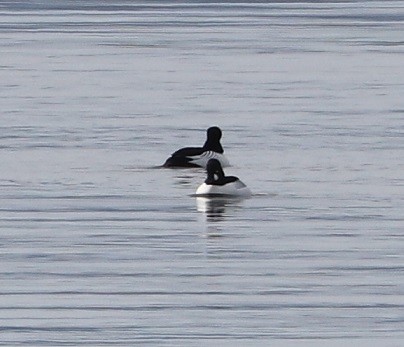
199	156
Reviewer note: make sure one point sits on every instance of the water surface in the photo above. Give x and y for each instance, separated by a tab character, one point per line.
100	247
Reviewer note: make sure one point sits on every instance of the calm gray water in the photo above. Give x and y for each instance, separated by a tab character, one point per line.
99	247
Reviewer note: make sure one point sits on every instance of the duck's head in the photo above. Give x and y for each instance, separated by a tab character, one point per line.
212	143
214	134
213	166
214	170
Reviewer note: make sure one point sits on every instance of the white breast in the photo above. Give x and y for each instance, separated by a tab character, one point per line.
236	188
203	159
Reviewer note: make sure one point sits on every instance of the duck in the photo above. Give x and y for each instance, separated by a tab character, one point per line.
219	185
199	156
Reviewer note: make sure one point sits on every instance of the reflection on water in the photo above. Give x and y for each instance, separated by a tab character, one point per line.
216	208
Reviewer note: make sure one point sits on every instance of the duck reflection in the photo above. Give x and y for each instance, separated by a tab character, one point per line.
215	208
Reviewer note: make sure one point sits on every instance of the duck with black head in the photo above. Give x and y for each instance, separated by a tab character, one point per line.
199	156
218	184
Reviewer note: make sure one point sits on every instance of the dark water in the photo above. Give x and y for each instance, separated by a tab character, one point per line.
98	247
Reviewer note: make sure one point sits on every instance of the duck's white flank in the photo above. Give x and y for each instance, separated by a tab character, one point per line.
236	188
203	159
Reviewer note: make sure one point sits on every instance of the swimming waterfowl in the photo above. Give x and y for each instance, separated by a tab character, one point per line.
199	156
218	184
